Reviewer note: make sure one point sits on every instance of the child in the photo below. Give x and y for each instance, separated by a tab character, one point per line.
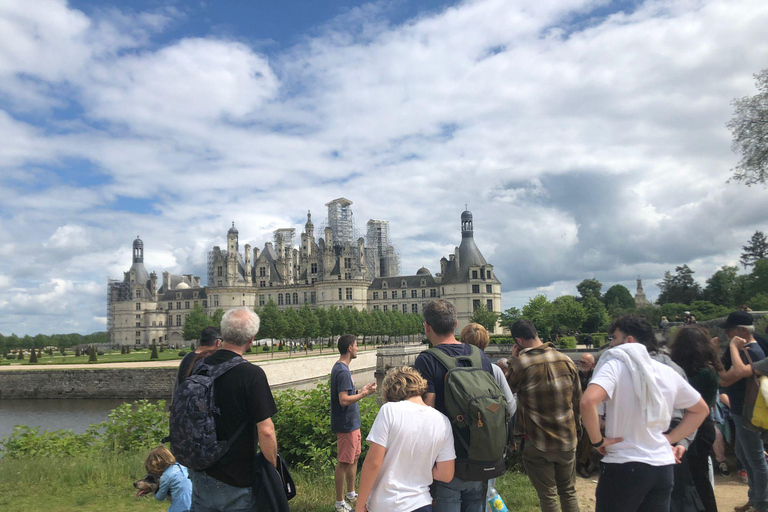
174	479
410	445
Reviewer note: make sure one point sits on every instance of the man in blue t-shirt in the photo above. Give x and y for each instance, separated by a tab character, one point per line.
440	323
345	421
749	445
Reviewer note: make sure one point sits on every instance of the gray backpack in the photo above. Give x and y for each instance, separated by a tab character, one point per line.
192	417
477	410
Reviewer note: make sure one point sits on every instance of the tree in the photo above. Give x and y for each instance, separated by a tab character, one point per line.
154	355
484	317
273	324
597	317
294	326
77	351
589	288
618	298
722	287
749	126
32	356
216	317
195	323
758	278
92	354
310	322
679	287
759	302
539	311
756	249
509	317
567	314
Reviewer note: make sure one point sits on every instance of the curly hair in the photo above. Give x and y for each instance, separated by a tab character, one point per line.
693	350
158	460
402	383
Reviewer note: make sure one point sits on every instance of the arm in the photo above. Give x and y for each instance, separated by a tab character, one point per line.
345	399
267	440
368	475
692	418
588	408
443	471
577	394
162	490
429	399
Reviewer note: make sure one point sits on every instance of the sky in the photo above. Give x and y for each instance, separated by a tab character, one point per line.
587	137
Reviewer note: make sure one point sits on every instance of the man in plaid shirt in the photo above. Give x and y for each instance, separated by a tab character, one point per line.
548	394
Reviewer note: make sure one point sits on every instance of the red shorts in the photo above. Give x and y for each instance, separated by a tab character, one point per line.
349	445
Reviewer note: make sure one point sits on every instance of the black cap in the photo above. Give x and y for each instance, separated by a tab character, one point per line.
736	319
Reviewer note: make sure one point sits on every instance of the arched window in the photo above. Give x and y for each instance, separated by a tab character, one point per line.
279	299
287	298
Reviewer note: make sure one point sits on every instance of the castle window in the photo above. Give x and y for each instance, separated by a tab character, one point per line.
375	295
349	293
261	300
385	308
375	307
186	304
194	295
314	280
423	293
153	323
347	262
488	274
489	304
433	292
170	320
215	300
347	276
312	297
414	308
475	288
414	294
384	284
262	283
160	323
138	293
288	299
403	294
305	297
403	284
178	296
205	303
474	274
178	305
423	282
138	334
138	306
475	304
488	288
279	299
262	272
219	271
405	308
313	268
295	298
339	293
482	274
170	306
138	324
384	295
178	320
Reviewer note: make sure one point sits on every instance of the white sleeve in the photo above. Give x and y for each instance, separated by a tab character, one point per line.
607	376
447	451
501	380
685	395
379	433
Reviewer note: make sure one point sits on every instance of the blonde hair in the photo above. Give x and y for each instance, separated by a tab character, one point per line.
475	334
158	460
402	383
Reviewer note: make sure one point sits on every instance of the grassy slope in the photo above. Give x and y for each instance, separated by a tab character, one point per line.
99	483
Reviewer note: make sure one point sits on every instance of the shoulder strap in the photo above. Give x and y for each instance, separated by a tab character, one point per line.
452	362
220	369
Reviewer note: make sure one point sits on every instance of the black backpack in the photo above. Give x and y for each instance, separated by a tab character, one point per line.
477	410
192	417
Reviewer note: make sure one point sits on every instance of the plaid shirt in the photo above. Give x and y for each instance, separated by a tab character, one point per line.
548	395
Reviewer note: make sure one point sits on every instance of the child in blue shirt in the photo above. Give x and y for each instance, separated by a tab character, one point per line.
174	479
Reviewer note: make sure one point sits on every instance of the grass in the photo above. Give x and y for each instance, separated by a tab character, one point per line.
104	482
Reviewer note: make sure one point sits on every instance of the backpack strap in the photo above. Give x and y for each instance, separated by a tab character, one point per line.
449	362
217	370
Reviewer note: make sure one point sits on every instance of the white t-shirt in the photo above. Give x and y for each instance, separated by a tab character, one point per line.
623	413
415	436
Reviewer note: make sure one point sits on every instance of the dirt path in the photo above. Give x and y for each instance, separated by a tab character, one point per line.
728	491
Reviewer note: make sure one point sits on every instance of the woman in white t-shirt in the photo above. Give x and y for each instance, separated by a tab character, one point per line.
411	444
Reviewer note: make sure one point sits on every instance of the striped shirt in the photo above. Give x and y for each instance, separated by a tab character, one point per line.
548	395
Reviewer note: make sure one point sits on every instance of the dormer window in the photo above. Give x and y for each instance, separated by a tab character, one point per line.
403	284
178	295
138	293
194	295
384	284
474	274
423	282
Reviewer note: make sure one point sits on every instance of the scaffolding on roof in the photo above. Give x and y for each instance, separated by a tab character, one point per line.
286	236
341	221
381	256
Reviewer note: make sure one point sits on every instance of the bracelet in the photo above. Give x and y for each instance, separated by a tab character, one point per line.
598	444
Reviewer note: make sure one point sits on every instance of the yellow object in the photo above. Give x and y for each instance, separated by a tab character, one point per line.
760	413
498	504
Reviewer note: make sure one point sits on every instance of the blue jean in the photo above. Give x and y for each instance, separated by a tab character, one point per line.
749	450
211	495
459	496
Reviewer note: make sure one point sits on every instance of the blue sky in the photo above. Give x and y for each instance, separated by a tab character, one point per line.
587	137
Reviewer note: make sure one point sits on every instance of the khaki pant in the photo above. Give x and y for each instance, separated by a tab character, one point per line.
552	475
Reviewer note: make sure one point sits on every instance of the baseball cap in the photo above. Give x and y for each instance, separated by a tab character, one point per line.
736	319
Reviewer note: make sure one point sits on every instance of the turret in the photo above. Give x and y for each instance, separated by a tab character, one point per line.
138	250
466	224
153	285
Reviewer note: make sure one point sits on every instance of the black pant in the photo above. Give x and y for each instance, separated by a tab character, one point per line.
698	462
634	487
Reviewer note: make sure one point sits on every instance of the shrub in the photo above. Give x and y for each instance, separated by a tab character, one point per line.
182	353
77	351
162	348
10	356
20	357
265	348
154	355
33	356
92	355
141	424
567	342
100	352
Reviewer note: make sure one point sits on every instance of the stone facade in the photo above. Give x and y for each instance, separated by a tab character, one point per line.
338	269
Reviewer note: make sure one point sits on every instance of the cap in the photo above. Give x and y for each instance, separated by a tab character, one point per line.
736	319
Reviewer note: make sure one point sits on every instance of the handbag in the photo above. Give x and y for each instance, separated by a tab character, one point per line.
755	412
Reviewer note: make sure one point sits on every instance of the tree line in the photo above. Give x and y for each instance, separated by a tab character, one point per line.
60	341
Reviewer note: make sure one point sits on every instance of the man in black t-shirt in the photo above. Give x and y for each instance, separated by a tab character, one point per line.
210	340
440	323
242	395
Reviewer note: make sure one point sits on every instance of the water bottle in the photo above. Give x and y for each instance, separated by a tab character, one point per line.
495	503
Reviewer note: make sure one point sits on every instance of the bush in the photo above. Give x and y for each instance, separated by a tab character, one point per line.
33	356
265	348
10	356
182	353
567	342
154	355
100	352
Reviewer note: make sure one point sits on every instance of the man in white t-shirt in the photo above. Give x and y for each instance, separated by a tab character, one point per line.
639	394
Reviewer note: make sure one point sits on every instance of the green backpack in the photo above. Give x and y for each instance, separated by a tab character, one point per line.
477	410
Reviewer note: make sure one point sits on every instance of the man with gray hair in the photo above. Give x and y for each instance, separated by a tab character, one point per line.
440	323
246	405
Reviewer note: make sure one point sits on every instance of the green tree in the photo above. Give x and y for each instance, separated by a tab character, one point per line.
509	317
749	126
216	317
32	356
481	315
273	325
759	302
705	310
679	287
722	287
154	355
195	323
77	351
618	298
310	322
323	325
294	326
756	248
597	318
539	311
567	314
589	288
758	278
92	354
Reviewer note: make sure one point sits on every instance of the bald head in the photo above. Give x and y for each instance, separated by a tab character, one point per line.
587	362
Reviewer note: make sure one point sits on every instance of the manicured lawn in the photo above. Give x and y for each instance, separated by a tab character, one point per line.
108	357
104	483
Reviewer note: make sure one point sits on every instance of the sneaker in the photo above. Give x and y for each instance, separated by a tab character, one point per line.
352	499
743	508
343	507
743	476
723	467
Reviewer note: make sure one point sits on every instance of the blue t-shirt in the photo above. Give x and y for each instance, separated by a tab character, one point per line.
343	419
736	392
